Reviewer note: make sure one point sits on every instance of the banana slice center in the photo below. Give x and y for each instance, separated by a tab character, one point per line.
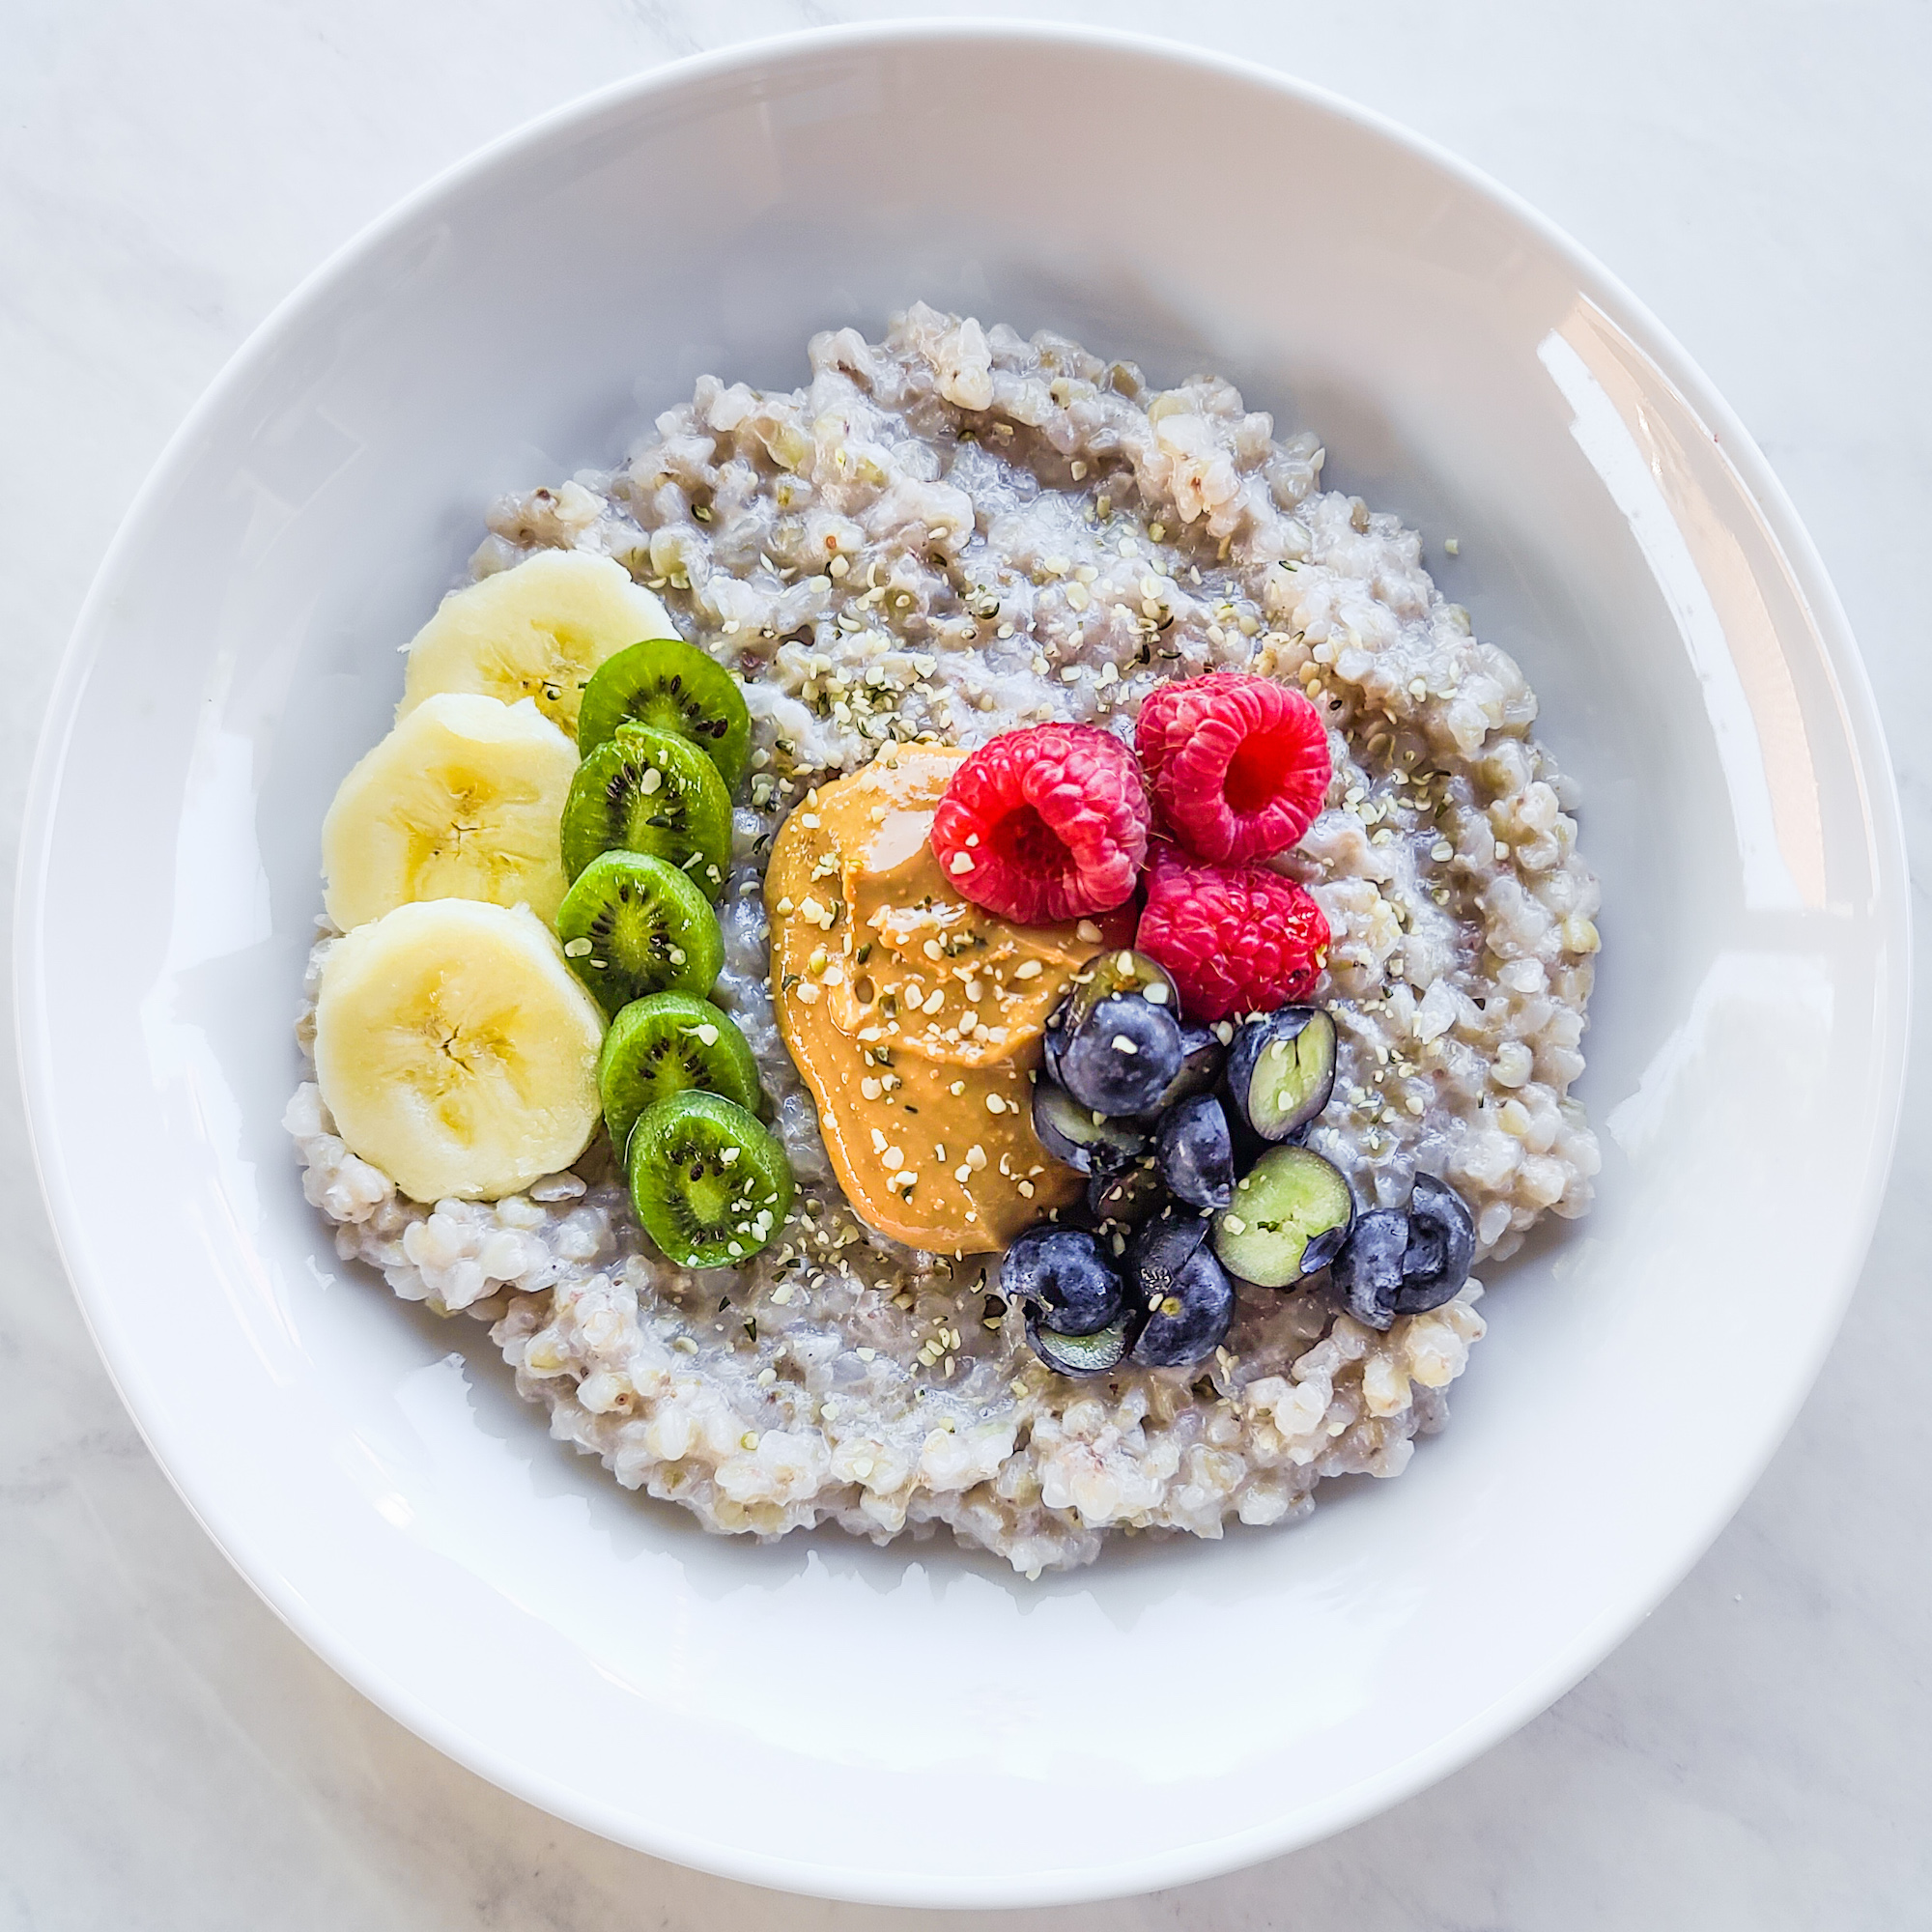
554	671
468	1051
471	827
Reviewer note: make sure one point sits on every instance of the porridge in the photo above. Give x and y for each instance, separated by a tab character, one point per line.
1039	1005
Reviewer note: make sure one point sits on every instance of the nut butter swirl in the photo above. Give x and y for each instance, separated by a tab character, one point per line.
915	1016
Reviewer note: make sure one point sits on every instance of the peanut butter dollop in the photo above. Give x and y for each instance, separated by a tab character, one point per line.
915	1016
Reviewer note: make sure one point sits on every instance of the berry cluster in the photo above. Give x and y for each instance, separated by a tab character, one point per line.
1059	821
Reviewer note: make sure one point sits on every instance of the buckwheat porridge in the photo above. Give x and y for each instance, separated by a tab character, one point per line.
935	1246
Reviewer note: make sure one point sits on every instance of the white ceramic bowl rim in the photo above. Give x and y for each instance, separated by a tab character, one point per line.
68	1205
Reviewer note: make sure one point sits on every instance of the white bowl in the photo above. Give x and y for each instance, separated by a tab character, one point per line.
910	1724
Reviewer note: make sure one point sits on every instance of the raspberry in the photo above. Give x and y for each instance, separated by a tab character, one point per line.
1237	764
1046	824
1236	939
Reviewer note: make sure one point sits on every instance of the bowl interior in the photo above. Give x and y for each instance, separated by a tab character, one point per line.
884	1723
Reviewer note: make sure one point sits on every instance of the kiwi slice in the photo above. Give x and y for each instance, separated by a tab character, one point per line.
633	924
644	790
711	1186
666	1044
674	687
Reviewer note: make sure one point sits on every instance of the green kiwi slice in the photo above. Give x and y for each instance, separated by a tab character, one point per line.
633	924
674	687
644	790
666	1044
711	1186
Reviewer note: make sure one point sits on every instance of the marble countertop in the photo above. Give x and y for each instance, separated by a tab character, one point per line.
1753	1757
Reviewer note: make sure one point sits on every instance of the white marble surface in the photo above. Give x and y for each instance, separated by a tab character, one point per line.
1754	1757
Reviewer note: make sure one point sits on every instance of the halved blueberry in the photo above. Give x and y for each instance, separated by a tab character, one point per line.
1063	1274
1281	1069
1079	1354
1203	1056
1069	1132
1123	973
1050	1043
1121	1058
1290	1215
1368	1271
1197	1153
1442	1246
1111	975
1161	1250
1127	1198
1189	1322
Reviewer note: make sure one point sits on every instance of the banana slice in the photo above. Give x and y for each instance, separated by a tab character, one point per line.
537	631
456	1050
461	800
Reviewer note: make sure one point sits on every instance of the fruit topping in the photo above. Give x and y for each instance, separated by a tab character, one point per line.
1123	1057
1281	1069
1121	971
1234	938
1161	1249
1291	1213
709	1183
536	631
633	926
1124	1199
1203	1057
1368	1271
644	790
1238	765
455	1051
1046	824
1187	1323
1197	1153
1061	1275
672	1043
459	802
1078	1354
1406	1264
1442	1246
674	687
1093	1144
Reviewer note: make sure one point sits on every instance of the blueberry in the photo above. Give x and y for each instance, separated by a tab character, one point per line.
1079	1354
1161	1249
1189	1322
1203	1057
1117	972
1281	1069
1126	1198
1069	1132
1051	1041
1441	1245
1368	1271
1396	1264
1197	1152
1290	1215
1322	1249
1121	1057
1063	1274
1421	1261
